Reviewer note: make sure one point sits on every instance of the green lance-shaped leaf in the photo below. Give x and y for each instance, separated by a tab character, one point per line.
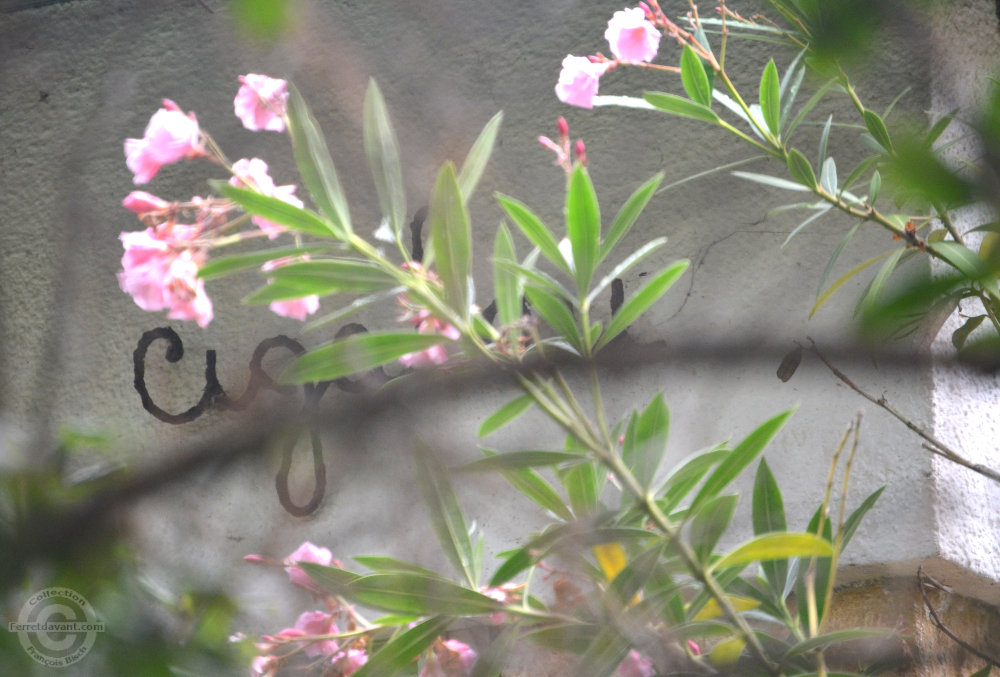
508	285
823	564
773	546
836	637
824	139
419	594
687	475
643	299
535	488
770	98
645	442
398	655
628	214
452	239
790	84
854	520
380	564
234	264
537	232
843	279
555	312
942	124
960	257
856	173
694	78
768	516
800	168
446	516
836	255
582	487
505	415
772	181
874	187
708	523
314	163
638	572
744	454
619	270
289	289
345	275
513	460
604	653
828	176
355	354
333	580
276	210
876	126
676	105
382	150
583	227
871	297
479	155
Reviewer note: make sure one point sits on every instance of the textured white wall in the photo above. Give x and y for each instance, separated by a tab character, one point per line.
77	78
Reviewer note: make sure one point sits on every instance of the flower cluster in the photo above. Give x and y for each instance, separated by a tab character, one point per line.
339	653
426	323
633	38
315	634
161	264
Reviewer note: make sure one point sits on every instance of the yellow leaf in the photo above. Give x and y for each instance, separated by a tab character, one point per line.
712	610
611	558
725	653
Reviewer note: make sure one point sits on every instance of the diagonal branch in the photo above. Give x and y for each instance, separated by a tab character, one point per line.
925	582
933	445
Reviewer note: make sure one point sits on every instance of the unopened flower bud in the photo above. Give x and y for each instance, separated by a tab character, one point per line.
562	126
581	152
549	143
646	9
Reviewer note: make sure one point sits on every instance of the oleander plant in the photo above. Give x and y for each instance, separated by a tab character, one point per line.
629	578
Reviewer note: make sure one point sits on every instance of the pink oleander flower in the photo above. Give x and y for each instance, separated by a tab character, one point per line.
636	665
307	552
253	174
503	594
693	646
264	665
578	80
260	102
350	662
159	276
140	202
299	308
318	623
632	37
170	136
426	323
184	291
449	658
144	266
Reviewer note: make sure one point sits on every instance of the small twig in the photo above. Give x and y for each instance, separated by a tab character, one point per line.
934	445
925	582
207	8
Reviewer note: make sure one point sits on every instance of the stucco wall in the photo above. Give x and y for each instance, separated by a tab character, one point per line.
77	78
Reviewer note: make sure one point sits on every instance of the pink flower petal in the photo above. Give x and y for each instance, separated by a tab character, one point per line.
631	36
578	81
260	102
